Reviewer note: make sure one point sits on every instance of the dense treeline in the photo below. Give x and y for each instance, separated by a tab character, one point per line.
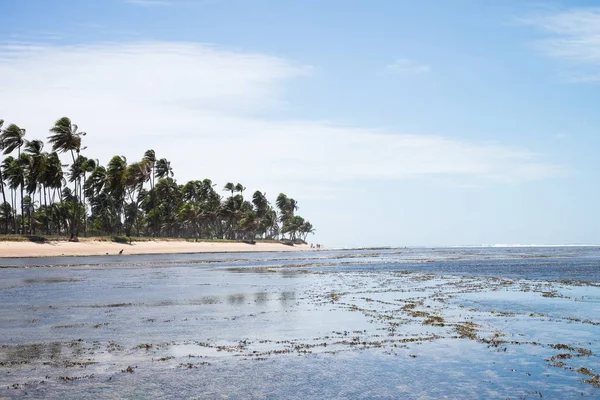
41	195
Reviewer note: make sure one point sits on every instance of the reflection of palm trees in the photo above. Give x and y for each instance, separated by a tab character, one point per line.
285	297
236	298
261	297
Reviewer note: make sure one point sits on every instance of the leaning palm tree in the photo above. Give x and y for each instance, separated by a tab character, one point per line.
305	229
261	204
2	186
67	138
13	138
53	175
2	189
192	215
87	167
115	184
163	169
36	164
6	214
229	187
3	200
240	189
149	160
135	176
12	176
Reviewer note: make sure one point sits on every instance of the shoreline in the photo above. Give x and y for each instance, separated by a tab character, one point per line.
88	248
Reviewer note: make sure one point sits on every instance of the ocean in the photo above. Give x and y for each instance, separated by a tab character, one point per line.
405	323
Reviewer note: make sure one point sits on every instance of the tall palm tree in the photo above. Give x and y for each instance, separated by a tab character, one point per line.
115	184
193	192
53	175
261	203
11	172
135	176
251	224
240	189
3	200
305	229
95	183
36	165
150	160
192	214
6	214
2	187
229	187
163	168
87	168
168	198
67	138
95	190
77	173
13	138
6	221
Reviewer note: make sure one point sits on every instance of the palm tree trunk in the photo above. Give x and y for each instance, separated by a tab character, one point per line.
75	223
31	212
13	202
3	202
46	211
22	184
153	199
83	205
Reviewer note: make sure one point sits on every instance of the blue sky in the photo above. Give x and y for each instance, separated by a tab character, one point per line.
391	122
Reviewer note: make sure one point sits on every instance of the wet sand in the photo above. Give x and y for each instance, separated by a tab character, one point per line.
313	325
101	248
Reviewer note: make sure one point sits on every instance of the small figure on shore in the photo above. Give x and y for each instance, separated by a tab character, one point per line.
121	252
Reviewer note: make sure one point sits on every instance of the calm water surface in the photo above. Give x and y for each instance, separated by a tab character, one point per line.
364	324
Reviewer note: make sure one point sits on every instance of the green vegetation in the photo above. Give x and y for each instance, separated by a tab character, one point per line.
120	239
42	196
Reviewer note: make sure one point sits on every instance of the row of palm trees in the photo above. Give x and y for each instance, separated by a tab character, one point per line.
134	199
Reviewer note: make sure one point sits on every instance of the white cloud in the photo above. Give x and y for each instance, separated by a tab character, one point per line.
207	109
575	38
404	65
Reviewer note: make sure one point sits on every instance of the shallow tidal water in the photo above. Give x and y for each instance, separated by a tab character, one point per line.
517	323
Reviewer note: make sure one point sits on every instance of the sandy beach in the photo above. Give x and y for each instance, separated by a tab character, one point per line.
99	248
